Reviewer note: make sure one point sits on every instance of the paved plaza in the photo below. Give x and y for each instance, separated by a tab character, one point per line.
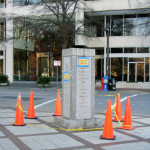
42	133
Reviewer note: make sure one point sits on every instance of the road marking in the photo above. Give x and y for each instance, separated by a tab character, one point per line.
100	103
40	105
123	99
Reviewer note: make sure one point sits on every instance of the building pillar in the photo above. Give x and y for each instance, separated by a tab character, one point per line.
9	40
79	25
105	61
9	49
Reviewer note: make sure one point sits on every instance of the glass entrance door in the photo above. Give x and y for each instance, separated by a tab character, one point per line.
136	71
1	66
132	72
43	65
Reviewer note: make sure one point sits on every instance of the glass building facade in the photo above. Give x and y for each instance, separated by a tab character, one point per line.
125	63
33	50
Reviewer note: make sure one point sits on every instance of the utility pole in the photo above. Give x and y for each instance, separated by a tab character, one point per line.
107	51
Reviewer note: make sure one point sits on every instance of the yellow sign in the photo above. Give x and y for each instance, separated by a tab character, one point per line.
66	76
84	62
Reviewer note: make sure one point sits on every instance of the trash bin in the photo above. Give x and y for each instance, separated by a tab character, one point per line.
112	84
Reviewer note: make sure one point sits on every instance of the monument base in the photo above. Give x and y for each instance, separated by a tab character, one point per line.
78	123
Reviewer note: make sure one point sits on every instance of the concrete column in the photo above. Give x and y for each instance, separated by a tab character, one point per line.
78	85
79	27
9	40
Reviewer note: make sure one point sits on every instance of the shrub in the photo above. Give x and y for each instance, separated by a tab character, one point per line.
43	81
4	79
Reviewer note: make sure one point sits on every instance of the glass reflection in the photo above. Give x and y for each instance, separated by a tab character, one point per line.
143	24
94	26
129	25
116	68
147	69
117	25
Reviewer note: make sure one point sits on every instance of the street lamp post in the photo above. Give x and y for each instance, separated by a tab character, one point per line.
107	51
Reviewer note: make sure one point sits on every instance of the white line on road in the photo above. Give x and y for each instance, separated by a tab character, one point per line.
123	99
40	105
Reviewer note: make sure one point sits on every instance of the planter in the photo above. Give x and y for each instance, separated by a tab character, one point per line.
4	84
40	85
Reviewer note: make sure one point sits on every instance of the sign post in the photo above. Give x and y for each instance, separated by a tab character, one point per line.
57	63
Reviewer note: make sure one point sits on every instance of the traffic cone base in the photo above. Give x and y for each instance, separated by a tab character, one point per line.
31	118
117	120
124	128
19	125
57	115
103	138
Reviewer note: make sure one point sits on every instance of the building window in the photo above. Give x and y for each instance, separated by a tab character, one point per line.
94	26
147	71
129	25
2	3
1	66
142	50
1	53
116	50
130	50
143	24
2	31
117	25
25	2
116	68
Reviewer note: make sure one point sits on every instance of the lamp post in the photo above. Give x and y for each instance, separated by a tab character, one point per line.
107	51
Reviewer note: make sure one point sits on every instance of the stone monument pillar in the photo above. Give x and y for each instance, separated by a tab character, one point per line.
78	89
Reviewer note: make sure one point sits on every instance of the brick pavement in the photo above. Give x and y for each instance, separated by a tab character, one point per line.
40	136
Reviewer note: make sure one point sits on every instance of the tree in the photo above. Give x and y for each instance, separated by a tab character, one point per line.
58	25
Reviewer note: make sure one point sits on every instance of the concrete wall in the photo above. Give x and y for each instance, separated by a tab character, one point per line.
105	5
128	85
115	41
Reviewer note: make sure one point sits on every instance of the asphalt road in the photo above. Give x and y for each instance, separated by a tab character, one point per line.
44	99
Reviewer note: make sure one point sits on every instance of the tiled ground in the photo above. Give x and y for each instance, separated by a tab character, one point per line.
38	134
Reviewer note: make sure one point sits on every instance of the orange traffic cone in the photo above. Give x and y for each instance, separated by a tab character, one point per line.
19	120
118	109
108	126
58	111
127	123
31	112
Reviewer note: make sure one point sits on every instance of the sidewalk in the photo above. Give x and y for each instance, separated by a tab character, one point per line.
37	134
